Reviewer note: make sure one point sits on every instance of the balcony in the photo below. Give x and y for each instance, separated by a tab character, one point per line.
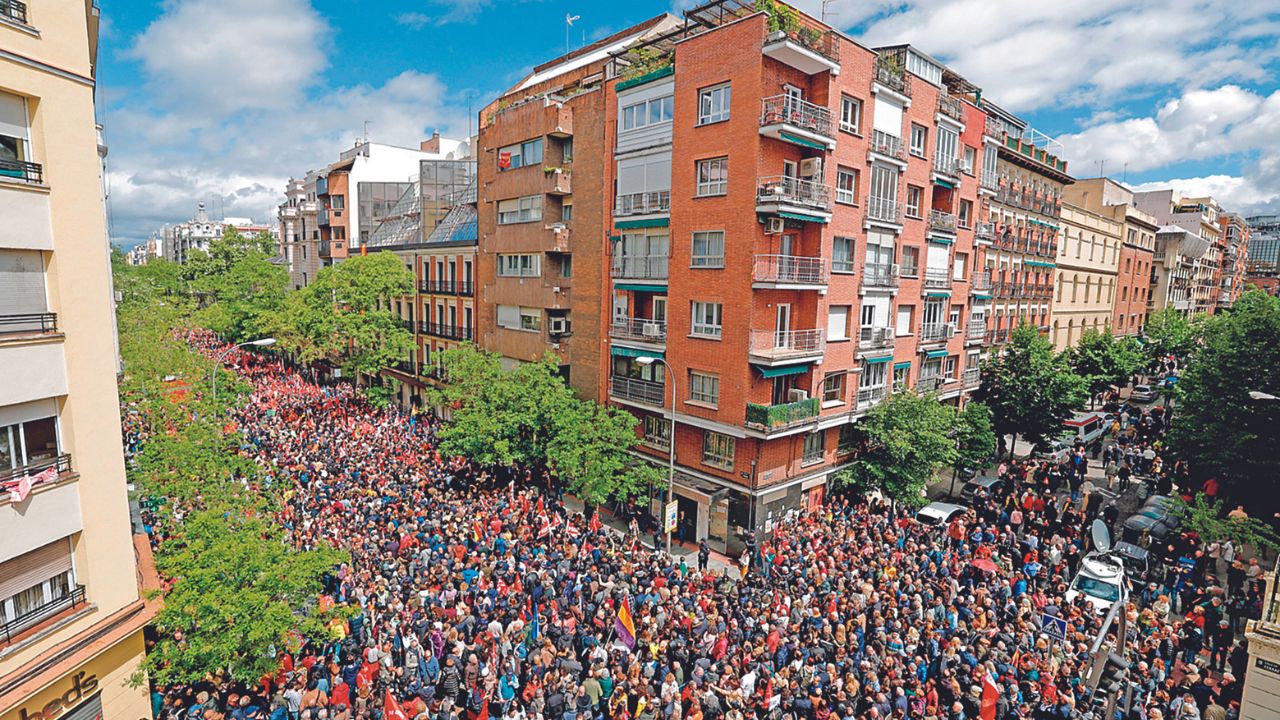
976	331
891	74
997	336
307	206
781	193
989	181
930	383
646	392
636	329
289	211
935	279
936	332
770	347
875	338
557	182
18	169
994	129
639	267
69	598
796	121
948	166
806	46
980	282
41	470
13	11
322	217
886	146
447	287
984	231
884	210
941	221
645	203
784	415
28	324
790	272
951	107
879	275
869	396
446	331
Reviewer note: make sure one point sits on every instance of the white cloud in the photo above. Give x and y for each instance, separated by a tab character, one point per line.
415	20
1255	192
218	56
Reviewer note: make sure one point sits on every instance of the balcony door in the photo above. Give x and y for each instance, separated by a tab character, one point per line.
782	326
660	309
620	304
794	99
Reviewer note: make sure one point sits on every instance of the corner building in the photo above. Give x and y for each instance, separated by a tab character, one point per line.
71	612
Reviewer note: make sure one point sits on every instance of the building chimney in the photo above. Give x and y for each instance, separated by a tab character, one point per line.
432	145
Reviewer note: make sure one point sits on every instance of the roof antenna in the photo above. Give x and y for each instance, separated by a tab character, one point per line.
825	3
568	23
366	131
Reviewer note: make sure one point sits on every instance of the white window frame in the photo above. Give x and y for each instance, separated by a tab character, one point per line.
639	114
525	209
913	210
714	104
519	152
846	195
847	263
657	432
819	439
922	147
706	186
837	331
707	319
704	388
851	114
521	265
712	255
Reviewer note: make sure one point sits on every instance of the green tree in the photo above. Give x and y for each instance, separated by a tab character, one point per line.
910	437
1104	360
223	252
975	438
1030	389
1220	429
1168	332
588	453
245	299
1208	519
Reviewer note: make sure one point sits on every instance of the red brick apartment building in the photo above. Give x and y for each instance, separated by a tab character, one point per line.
786	219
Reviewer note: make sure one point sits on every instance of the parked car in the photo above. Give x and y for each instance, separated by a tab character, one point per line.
988	483
1101	581
1055	451
1137	561
1143	394
938	513
1132	528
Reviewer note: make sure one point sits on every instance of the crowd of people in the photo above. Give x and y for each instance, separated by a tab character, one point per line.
475	596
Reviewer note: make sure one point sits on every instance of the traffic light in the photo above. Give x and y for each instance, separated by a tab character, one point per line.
1114	675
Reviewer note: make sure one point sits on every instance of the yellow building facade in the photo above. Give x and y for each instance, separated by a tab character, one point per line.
1085	277
71	609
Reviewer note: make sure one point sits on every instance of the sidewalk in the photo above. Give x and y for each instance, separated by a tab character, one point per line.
719	562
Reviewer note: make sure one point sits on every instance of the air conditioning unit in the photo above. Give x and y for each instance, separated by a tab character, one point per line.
558	325
774	225
952	329
797	395
810	167
894	269
651	330
881	334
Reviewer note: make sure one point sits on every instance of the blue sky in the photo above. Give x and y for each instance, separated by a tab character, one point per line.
223	100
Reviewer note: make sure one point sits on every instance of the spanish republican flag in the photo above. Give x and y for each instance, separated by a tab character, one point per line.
624	625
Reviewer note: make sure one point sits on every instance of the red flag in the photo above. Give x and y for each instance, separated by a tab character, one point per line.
391	709
595	522
542	509
990	697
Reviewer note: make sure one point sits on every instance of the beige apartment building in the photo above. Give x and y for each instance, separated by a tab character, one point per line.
71	612
1085	276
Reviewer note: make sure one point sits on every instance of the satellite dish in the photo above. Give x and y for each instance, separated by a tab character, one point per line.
1101	536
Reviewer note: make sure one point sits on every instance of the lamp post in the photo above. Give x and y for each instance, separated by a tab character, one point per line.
264	342
671	439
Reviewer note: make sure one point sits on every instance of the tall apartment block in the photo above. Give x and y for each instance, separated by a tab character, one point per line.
1263	264
71	613
792	226
1197	217
299	230
1085	277
1233	267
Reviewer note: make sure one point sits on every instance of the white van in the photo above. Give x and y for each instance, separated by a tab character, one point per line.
1086	426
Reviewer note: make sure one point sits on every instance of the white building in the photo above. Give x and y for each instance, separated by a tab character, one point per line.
195	234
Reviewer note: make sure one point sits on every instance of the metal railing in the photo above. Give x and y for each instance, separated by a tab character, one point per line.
811	35
792	190
787	342
446	330
785	109
782	415
942	221
645	203
637	390
73	597
990	180
25	323
875	338
641	329
880	275
884	209
936	332
14	10
22	170
976	330
984	231
882	143
791	269
971	377
993	129
447	287
893	77
937	279
639	267
929	383
946	165
869	396
980	282
10	476
951	107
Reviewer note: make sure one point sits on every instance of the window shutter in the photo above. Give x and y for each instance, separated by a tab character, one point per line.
33	568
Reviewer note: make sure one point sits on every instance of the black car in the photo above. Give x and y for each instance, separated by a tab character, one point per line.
989	483
1131	529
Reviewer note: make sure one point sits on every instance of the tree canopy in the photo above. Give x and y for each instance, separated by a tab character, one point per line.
1168	332
1104	360
1030	388
909	439
975	436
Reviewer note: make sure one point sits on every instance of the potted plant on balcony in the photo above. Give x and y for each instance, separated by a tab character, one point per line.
809	37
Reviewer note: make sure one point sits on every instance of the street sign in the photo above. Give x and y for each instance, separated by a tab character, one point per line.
672	515
1054	626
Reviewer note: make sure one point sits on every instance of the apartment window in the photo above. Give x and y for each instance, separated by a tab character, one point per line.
566	212
566	266
960	267
28	442
949	367
706	319
717	450
517	266
520	210
648	112
814	446
339	233
904	320
847	439
708	249
704	387
38	584
910	261
838	322
901	376
915	198
847	186
966	213
337	202
873	375
850	114
713	176
842	255
530	319
566	150
15	134
713	104
657	432
833	388
970	160
919	139
520	155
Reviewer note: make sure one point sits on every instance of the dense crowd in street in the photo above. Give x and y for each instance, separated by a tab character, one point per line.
474	596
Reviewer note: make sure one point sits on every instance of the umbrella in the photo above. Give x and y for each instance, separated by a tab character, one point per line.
985	565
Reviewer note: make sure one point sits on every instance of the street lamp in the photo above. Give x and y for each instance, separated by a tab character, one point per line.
671	439
264	342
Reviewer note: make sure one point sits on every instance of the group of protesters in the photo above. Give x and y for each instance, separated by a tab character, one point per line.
472	593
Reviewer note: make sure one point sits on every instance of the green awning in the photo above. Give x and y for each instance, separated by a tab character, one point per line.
792	137
941	240
803	218
878	360
982	296
897	366
650	76
1038	263
936	354
635	287
648	223
938	294
944	183
633	352
773	372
